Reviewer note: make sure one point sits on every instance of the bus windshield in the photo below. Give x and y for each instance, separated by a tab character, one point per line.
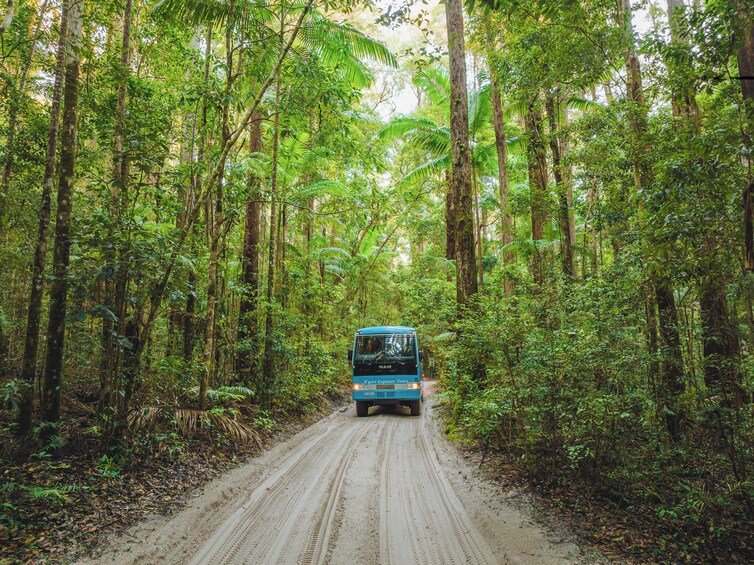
385	348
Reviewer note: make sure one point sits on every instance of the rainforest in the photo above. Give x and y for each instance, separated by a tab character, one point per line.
202	200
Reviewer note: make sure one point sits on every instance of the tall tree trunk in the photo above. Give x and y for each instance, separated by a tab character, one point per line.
117	271
59	288
721	347
478	220
589	228
537	167
196	179
565	148
745	57
31	344
10	11
247	318
564	209
268	362
506	222
186	319
672	357
460	182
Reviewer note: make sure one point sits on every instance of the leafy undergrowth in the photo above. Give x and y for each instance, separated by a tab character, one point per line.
64	498
627	524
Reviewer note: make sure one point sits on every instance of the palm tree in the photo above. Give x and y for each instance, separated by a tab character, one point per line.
435	139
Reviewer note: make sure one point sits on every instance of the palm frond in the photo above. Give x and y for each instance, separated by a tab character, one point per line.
516	145
515	110
323	187
484	158
436	141
434	81
332	250
582	104
402	126
426	170
143	418
191	422
247	13
339	45
480	109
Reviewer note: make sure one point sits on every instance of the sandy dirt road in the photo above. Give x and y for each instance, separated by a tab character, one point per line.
386	489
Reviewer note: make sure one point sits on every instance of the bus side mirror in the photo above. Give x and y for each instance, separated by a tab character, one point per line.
421	356
350	355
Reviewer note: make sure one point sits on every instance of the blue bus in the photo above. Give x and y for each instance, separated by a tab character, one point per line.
387	368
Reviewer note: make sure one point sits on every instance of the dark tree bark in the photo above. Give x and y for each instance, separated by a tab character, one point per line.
460	179
672	358
31	344
745	57
720	343
59	288
247	326
506	221
537	167
185	319
561	181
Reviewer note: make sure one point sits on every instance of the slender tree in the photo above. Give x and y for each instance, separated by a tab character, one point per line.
247	326
268	360
538	178
61	253
116	275
745	56
31	344
564	188
460	190
506	221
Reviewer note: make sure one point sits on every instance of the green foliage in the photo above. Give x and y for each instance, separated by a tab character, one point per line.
57	494
11	394
107	467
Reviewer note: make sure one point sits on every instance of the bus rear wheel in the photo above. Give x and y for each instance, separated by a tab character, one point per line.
362	408
415	407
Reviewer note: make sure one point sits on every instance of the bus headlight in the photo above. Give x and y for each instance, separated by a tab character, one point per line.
414	386
358	387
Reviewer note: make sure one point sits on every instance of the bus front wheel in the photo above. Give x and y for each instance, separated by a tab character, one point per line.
362	408
415	407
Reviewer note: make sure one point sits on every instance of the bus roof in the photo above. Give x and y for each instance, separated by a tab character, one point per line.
385	330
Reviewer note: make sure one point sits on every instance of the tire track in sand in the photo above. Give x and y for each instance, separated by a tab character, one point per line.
290	510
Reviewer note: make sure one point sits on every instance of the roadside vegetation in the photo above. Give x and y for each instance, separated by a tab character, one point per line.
202	200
